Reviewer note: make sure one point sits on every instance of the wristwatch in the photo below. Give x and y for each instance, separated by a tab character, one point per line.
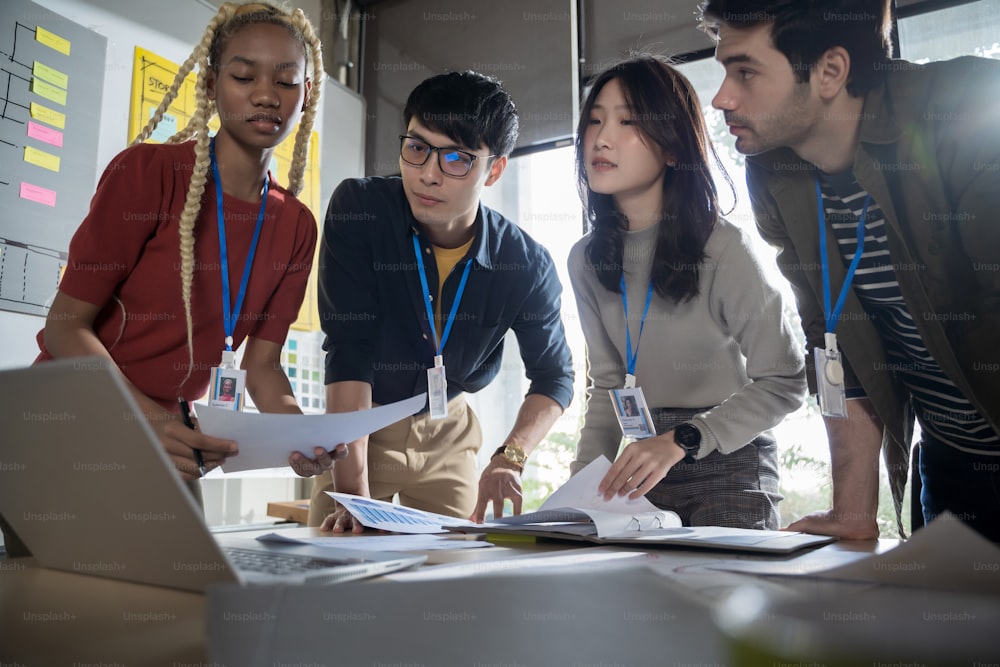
513	454
688	438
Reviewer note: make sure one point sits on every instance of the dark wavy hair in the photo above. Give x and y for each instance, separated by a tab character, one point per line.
803	30
666	110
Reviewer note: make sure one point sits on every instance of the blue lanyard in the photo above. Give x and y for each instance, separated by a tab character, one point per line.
231	314
833	315
427	299
630	355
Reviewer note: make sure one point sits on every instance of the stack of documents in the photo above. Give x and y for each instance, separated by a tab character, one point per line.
576	511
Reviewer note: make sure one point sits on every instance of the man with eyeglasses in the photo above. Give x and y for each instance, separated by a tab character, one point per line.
418	285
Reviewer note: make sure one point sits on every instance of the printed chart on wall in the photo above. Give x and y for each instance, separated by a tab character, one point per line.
152	76
51	81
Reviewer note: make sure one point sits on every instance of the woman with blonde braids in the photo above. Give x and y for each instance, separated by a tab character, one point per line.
144	283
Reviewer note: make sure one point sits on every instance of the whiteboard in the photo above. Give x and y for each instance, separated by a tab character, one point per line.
342	138
34	237
51	78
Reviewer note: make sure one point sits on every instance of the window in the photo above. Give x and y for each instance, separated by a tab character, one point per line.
969	29
538	192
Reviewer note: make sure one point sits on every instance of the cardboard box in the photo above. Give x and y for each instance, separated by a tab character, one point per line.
292	510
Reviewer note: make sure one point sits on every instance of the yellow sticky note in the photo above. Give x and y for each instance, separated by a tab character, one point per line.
51	75
48	116
52	40
48	91
41	158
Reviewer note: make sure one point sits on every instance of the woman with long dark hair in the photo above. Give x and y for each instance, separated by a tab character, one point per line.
673	303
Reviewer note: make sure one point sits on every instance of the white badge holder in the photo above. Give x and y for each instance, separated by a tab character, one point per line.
437	389
227	384
830	379
630	407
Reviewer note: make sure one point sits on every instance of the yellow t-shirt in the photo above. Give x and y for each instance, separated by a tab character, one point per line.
446	259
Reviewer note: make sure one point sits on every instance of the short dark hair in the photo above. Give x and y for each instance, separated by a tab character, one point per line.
665	108
803	30
468	107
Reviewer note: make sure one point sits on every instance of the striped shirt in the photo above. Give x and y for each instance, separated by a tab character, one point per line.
941	409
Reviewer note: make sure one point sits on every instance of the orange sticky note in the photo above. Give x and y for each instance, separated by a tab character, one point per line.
41	158
38	194
52	40
46	134
47	115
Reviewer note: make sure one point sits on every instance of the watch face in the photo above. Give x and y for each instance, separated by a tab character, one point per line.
514	455
688	437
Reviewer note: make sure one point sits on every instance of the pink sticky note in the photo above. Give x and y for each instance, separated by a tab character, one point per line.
46	134
38	194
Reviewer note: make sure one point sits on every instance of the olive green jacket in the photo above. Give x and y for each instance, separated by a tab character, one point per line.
929	153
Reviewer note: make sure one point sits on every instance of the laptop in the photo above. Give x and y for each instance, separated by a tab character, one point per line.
87	487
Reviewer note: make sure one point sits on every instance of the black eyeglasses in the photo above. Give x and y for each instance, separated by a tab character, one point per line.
451	161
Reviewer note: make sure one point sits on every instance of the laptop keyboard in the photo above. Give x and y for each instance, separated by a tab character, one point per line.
276	563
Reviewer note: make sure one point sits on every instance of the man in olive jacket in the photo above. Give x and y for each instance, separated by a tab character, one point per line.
913	151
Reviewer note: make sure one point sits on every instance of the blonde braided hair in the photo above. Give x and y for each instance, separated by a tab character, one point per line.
301	151
230	18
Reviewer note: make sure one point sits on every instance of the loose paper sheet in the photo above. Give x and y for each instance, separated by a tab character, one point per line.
267	440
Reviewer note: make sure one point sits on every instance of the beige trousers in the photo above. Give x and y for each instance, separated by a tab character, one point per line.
430	463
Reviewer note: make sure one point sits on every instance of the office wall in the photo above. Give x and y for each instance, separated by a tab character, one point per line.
171	29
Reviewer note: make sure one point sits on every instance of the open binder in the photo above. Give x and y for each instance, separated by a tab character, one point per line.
576	511
700	537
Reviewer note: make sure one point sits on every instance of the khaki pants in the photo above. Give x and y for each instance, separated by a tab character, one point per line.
430	463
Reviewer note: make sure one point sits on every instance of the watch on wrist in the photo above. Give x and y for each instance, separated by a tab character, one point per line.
688	438
513	454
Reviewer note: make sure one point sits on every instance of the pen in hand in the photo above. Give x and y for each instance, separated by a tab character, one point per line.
186	416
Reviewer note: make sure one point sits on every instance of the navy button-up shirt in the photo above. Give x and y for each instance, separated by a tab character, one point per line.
372	309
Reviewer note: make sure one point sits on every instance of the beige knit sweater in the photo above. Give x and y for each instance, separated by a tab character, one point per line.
730	347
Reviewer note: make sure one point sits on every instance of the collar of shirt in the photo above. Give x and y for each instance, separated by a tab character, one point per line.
483	253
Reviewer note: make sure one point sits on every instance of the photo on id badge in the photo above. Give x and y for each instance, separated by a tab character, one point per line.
633	414
227	388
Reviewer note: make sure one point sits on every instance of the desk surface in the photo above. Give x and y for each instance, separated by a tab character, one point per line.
50	618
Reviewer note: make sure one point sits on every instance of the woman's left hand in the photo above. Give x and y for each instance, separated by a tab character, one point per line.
641	465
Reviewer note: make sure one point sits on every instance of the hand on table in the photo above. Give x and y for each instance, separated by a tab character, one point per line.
826	522
500	480
342	521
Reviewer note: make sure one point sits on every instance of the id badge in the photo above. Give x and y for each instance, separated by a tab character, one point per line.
227	388
830	382
633	413
437	390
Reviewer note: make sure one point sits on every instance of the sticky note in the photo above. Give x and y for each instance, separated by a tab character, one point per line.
38	194
51	75
52	40
48	91
46	134
165	129
47	115
41	158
